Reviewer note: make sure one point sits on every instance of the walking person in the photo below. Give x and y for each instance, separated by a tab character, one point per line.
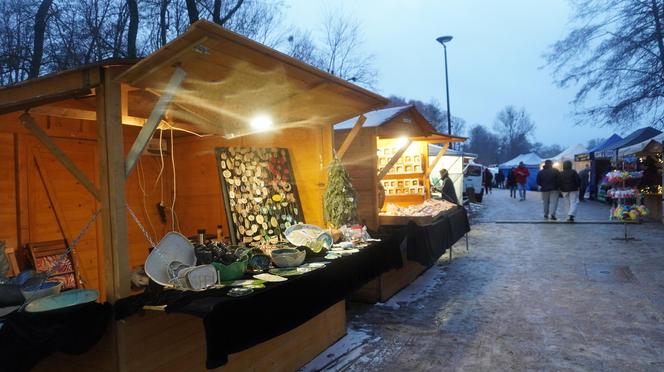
511	182
569	186
548	179
500	180
521	173
584	177
487	180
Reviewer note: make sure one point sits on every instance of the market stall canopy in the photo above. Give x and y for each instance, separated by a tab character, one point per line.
633	138
399	121
569	153
435	149
608	142
530	159
652	145
231	80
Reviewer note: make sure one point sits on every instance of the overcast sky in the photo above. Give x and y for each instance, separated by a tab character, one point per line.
494	60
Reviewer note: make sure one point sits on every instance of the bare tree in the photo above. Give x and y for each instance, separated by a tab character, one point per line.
434	114
38	44
192	10
342	49
614	54
514	127
132	5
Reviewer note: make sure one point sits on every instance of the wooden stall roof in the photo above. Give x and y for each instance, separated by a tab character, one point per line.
230	79
55	87
400	121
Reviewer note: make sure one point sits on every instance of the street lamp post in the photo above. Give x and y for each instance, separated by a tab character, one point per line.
442	40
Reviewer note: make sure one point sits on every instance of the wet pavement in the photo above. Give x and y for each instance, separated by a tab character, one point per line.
552	296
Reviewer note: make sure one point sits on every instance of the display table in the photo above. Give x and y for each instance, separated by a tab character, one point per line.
421	245
303	315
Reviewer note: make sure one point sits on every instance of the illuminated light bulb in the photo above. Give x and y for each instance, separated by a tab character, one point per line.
261	122
402	141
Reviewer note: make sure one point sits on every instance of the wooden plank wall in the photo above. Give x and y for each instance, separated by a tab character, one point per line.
25	212
199	199
360	162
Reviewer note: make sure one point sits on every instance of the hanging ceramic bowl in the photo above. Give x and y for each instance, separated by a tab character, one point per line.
172	247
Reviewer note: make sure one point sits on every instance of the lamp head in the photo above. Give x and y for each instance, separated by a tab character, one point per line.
444	39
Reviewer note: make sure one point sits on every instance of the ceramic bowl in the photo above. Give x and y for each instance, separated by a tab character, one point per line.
288	257
259	263
233	271
38	291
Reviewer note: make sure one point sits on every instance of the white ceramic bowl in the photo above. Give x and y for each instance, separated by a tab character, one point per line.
45	289
288	257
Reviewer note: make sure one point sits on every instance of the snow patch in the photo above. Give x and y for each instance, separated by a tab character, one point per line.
417	290
342	353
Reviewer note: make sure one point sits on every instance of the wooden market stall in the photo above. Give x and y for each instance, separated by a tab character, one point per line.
389	147
121	137
386	154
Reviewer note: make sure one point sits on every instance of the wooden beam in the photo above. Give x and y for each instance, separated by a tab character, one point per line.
112	180
393	160
153	121
80	114
81	277
435	161
351	136
48	89
29	123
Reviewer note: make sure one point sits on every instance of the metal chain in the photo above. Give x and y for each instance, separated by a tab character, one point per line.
72	245
140	226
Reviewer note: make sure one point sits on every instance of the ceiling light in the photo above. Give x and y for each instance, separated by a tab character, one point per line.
261	122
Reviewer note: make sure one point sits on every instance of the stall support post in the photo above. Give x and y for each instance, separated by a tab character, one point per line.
112	184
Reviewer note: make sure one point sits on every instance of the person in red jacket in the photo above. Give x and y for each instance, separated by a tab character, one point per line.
521	173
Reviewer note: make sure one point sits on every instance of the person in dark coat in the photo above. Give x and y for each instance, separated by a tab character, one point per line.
500	180
511	183
447	189
569	186
584	177
548	181
487	180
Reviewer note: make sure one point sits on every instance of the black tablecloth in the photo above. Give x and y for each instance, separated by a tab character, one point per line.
425	244
27	338
235	324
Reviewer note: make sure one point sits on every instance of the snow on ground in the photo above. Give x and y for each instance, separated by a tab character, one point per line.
417	290
343	352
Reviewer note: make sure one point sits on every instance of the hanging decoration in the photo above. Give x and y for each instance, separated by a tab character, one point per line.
259	192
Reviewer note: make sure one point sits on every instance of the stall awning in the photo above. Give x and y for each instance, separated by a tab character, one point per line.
231	79
652	145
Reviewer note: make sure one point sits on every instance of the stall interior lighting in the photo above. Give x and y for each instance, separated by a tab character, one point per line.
261	123
402	141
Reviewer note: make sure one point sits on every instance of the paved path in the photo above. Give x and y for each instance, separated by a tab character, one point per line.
526	297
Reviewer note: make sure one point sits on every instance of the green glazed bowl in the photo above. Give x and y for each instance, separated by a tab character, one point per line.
233	271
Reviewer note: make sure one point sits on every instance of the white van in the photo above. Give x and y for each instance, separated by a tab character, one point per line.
472	177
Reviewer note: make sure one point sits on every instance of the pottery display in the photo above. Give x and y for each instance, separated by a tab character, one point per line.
232	271
288	257
259	191
62	300
41	290
172	247
258	263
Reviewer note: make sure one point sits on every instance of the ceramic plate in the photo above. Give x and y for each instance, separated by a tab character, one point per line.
62	300
332	256
285	272
316	265
270	278
240	291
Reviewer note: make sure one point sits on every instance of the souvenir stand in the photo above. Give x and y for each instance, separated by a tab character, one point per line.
133	150
386	154
646	157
